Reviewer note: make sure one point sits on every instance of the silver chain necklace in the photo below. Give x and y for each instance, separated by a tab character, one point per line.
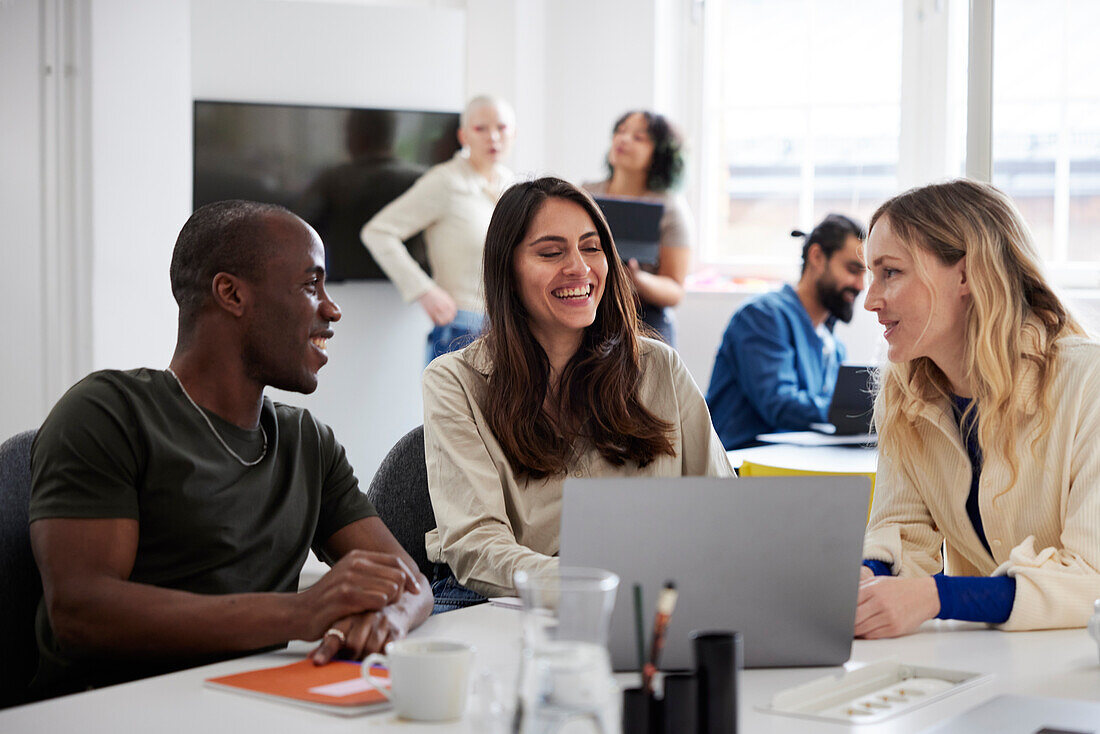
213	430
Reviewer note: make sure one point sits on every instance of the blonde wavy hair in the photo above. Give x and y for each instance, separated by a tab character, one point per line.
1013	319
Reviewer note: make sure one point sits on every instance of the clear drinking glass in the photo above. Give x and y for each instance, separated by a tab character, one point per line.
565	681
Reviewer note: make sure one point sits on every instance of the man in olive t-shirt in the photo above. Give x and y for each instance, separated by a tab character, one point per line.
172	510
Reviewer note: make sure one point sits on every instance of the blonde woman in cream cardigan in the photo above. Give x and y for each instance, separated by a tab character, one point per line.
988	417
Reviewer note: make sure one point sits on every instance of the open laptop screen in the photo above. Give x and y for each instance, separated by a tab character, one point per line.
636	226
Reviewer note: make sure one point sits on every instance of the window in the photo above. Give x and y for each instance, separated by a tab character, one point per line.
835	105
1046	127
809	106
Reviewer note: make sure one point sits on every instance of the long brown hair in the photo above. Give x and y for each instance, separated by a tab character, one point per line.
597	396
1013	322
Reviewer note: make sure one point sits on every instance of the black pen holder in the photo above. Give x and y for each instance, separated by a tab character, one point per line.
680	705
640	712
676	712
718	662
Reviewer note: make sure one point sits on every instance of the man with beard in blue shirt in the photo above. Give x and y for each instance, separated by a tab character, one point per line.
777	365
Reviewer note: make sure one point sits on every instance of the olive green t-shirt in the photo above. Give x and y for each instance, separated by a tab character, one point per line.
130	445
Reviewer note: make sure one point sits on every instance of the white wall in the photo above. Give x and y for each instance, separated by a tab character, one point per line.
600	63
22	398
141	175
345	55
333	53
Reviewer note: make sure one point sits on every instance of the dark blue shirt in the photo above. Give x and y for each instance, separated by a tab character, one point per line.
772	372
968	429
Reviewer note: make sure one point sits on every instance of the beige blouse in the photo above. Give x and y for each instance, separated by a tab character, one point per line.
1044	531
492	523
451	204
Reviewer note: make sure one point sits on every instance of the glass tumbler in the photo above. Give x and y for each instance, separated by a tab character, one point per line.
565	682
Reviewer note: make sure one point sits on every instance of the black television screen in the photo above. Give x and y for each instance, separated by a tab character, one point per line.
334	166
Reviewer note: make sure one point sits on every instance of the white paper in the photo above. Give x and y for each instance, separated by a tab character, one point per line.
813	438
343	688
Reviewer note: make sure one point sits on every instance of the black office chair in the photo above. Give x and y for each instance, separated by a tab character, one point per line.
399	491
20	584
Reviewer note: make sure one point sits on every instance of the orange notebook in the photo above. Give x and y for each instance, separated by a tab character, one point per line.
336	688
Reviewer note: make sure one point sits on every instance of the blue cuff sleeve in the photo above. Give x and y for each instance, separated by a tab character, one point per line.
975	598
878	568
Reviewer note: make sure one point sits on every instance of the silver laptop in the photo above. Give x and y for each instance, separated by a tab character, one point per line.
776	559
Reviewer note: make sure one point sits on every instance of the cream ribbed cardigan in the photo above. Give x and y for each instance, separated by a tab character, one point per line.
1045	531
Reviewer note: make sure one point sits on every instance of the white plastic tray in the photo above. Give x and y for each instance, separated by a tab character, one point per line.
872	693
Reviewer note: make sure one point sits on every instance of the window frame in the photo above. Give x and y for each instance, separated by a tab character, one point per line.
935	33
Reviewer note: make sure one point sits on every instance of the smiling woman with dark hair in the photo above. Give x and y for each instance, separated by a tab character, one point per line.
560	384
646	162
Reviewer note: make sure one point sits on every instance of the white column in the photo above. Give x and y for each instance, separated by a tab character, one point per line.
67	233
23	397
140	182
925	123
979	97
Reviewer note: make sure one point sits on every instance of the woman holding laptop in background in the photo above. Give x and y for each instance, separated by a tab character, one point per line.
561	384
988	418
451	204
646	162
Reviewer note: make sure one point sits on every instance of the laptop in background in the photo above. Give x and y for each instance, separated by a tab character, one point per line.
853	402
776	559
635	225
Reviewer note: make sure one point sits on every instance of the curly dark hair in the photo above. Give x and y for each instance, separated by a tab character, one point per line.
667	166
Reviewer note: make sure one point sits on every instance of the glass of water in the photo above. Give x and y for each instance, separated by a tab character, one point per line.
565	682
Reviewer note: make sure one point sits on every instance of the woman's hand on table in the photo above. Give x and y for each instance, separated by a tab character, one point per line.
890	606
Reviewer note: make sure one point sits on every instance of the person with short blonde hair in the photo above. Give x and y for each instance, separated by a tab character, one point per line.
988	417
451	205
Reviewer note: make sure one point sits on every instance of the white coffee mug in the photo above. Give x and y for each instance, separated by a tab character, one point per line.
428	678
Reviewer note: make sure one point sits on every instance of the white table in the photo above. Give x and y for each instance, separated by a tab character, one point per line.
856	459
1060	663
